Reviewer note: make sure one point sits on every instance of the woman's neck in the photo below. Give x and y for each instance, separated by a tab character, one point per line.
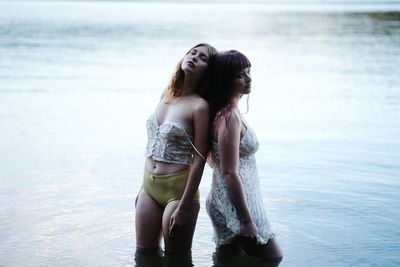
235	100
189	85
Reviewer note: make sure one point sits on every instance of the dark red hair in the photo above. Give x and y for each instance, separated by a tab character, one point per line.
226	65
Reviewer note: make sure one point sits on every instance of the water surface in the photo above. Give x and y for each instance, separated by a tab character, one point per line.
78	80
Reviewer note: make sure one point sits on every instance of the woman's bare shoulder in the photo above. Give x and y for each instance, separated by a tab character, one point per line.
229	119
199	104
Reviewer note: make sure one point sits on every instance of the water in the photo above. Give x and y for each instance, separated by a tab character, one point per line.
78	80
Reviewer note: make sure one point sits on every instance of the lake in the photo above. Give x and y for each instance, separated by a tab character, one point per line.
78	80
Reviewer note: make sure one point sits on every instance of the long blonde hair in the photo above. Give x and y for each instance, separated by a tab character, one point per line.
174	88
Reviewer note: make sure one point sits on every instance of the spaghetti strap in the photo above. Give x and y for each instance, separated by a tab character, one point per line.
190	141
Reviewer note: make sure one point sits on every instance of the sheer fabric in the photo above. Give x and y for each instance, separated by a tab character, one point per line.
219	205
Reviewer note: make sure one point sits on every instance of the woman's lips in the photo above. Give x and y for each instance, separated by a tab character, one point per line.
191	64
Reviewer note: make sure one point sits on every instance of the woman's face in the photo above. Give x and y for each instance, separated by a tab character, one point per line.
196	61
242	82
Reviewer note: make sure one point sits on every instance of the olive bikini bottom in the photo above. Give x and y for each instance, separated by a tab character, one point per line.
167	187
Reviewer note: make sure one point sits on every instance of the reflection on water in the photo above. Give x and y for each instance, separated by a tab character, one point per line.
79	78
237	258
159	258
242	260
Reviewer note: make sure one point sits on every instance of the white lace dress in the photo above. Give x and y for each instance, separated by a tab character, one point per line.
219	205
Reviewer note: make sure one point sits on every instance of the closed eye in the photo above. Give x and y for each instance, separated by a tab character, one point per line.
204	57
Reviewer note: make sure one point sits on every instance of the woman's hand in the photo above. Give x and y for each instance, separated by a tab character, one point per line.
178	220
249	229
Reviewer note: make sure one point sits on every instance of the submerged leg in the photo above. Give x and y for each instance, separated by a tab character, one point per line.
178	259
181	241
226	254
270	251
148	257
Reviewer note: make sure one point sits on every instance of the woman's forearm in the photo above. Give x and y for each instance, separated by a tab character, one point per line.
192	186
238	196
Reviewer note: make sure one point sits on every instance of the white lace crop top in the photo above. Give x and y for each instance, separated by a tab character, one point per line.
169	142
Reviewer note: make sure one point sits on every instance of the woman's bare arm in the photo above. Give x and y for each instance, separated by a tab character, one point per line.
228	144
201	125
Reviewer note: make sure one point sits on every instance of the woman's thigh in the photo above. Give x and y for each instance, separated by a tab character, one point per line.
269	251
225	253
181	241
148	221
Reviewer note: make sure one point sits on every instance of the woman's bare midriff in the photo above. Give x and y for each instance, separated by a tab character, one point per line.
160	168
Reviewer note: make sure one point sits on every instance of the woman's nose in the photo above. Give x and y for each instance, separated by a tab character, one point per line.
194	58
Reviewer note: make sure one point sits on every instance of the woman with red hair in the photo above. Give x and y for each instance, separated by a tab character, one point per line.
235	203
168	203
